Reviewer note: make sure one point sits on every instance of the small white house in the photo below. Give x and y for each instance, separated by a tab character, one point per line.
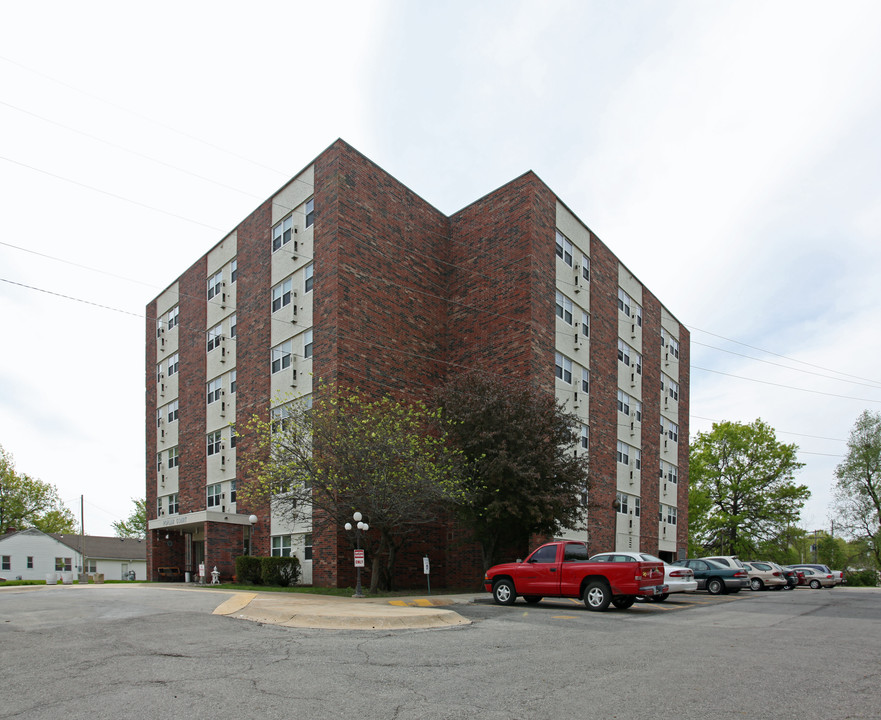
32	554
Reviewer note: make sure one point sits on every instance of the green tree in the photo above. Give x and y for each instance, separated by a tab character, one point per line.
320	462
135	525
27	502
857	502
525	475
741	482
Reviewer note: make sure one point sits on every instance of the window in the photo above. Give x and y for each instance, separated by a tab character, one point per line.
232	486
6	562
278	418
172	409
63	564
623	453
215	390
30	562
636	506
91	565
215	335
214	495
281	294
159	462
214	443
159	507
564	248
624	352
637	458
674	348
173	458
173	317
173	364
671	515
307	344
636	359
623	402
585	380
281	233
669	387
585	267
574	552
307	549
636	410
172	504
215	282
673	477
637	313
624	302
564	308
281	546
563	368
234	271
585	324
232	382
546	554
281	356
673	431
310	212
585	437
623	503
310	278
232	325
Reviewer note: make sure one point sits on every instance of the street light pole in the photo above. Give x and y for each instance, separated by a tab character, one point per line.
359	528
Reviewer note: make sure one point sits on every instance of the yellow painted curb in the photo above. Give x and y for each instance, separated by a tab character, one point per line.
232	605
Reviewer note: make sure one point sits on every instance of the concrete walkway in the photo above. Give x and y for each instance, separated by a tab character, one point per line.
340	613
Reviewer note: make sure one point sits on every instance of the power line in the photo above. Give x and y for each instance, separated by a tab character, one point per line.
140	116
769	352
110	194
789	387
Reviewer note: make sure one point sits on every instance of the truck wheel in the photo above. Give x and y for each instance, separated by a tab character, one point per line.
756	584
504	593
532	599
715	586
597	595
623	602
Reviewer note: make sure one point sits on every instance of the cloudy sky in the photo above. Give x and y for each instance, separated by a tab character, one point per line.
728	152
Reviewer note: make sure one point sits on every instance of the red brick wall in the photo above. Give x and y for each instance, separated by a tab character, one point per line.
501	286
253	318
651	422
684	409
603	396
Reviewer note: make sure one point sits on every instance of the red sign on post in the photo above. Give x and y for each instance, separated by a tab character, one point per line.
359	558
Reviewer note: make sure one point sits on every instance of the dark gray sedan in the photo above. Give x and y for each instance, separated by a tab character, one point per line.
715	578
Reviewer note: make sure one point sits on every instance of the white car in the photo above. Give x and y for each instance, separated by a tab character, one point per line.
677	579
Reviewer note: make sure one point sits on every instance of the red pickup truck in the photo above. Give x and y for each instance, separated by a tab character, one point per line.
561	569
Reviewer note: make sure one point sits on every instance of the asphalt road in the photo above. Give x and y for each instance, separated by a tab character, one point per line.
142	651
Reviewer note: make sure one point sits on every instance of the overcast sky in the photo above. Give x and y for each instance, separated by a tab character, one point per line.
729	153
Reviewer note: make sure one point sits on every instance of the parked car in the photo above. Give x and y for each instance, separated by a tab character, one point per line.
731	561
764	575
815	579
677	579
837	575
789	574
714	577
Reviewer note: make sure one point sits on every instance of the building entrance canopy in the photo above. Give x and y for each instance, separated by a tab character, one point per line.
190	521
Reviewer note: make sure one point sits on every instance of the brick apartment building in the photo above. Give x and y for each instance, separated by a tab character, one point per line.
347	275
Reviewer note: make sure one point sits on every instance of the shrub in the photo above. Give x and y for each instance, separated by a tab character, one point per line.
861	578
284	571
249	570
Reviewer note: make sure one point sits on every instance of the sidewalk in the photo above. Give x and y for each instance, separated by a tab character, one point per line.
340	613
